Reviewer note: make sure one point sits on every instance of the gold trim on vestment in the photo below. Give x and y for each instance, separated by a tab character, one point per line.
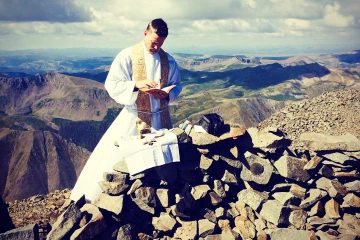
143	99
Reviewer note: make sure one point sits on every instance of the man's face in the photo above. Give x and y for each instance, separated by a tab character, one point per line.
153	42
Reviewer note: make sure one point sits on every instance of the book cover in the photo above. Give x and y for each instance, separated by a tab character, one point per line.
160	91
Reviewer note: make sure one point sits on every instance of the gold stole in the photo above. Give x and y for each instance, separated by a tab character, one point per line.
143	99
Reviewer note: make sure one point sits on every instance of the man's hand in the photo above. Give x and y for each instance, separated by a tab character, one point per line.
145	84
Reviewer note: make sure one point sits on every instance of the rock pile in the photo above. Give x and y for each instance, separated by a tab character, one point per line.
42	210
334	113
241	185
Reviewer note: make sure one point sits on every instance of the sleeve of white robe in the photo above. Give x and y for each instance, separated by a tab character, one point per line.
174	79
118	82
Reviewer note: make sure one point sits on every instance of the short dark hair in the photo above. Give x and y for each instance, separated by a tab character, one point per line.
159	27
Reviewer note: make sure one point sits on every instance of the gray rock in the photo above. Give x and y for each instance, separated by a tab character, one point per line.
138	176
188	230
274	212
334	164
163	196
267	138
112	204
205	227
67	220
286	234
332	209
94	227
347	237
338	158
205	162
214	198
126	232
286	198
230	235
315	220
245	227
324	236
115	177
233	211
121	166
213	237
200	191
220	212
209	215
281	187
260	169
349	225
232	162
298	218
298	191
334	188
353	186
313	163
145	199
164	223
30	232
203	139
291	167
147	195
219	189
351	200
259	224
252	198
326	171
136	184
113	188
322	142
318	209
314	196
230	178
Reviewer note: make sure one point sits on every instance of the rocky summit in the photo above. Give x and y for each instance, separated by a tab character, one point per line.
258	183
332	113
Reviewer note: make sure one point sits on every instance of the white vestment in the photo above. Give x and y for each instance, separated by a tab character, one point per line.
120	87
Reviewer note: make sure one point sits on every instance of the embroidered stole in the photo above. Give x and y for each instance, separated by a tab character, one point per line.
143	99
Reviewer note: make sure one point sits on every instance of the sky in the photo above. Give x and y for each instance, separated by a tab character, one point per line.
195	26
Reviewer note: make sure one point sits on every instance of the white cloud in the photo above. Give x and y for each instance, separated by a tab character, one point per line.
332	17
40	10
298	24
199	22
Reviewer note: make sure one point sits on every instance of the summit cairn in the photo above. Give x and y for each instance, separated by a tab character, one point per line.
237	187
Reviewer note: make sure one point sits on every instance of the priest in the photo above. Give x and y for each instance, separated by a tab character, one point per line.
134	70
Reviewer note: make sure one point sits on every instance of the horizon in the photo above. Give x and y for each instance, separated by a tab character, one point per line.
231	26
111	52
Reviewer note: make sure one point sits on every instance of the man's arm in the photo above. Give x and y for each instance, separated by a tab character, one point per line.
174	79
118	81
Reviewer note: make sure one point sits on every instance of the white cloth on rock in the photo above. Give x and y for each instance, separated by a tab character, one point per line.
140	156
120	87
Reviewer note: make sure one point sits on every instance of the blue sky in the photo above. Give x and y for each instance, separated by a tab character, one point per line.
195	25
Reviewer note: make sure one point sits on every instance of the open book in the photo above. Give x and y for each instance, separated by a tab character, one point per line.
160	91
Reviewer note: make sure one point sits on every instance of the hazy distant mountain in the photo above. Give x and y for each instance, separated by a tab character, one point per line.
43	145
54	95
245	111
